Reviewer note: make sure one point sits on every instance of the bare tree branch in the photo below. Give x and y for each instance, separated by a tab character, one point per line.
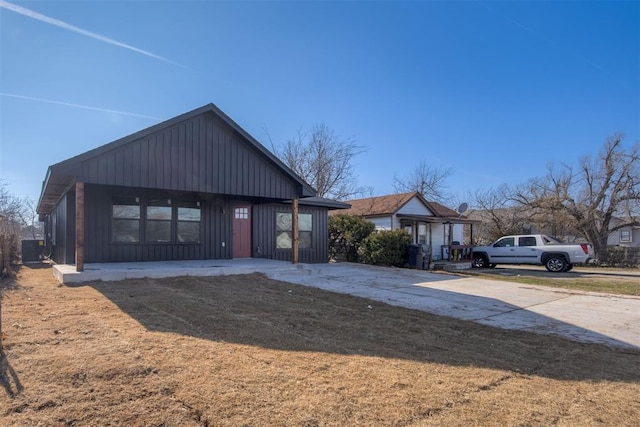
324	160
428	180
599	197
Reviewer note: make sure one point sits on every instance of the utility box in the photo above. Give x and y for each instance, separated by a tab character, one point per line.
32	250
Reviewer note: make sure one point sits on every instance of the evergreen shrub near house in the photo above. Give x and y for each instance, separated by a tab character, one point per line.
621	256
387	247
346	233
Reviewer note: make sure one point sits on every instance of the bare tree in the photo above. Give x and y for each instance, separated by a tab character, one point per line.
428	180
499	214
600	196
324	160
14	214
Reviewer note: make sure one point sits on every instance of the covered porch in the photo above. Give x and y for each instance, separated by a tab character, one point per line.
445	242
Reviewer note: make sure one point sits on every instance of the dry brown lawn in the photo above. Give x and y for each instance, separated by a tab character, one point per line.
249	351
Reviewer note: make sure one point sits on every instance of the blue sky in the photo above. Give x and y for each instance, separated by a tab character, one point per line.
495	90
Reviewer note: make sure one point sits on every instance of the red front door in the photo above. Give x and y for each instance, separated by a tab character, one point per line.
242	231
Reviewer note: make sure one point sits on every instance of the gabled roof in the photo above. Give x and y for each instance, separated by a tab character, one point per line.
391	204
378	206
441	210
63	174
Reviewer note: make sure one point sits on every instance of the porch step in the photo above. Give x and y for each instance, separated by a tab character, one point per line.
450	266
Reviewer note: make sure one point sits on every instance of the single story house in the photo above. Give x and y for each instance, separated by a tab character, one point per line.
431	224
196	186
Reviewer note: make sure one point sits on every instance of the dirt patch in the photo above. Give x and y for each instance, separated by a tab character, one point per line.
246	350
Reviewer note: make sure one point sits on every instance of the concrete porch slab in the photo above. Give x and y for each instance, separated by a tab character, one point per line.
136	270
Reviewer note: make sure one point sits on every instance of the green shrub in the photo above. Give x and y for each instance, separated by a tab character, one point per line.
346	233
387	247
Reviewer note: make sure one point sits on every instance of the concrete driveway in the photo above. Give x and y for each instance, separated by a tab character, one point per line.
581	316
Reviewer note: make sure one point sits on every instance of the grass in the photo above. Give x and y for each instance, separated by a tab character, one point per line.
250	351
592	281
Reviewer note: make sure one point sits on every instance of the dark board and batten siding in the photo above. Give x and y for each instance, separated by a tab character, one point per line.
201	154
215	229
61	226
264	220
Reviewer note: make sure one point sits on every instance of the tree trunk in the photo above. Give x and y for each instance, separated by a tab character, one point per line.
600	249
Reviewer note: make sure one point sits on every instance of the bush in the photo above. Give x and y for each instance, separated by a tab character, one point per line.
387	248
621	256
346	233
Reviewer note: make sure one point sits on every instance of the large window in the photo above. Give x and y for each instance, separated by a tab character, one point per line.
284	235
136	220
125	219
159	217
189	222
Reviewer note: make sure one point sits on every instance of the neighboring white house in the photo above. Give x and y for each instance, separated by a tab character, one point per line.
627	236
429	223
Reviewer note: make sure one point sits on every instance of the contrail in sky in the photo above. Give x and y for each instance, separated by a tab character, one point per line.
84	107
61	24
546	39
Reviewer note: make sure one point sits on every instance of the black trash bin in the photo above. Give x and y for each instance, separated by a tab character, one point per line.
412	254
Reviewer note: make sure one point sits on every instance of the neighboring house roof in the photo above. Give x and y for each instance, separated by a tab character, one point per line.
391	204
378	206
61	175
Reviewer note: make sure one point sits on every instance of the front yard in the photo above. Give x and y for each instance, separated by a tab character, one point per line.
246	350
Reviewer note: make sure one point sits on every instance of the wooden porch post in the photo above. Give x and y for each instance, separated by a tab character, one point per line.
449	243
294	232
79	226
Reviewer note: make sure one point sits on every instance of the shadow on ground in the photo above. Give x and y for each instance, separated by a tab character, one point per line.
8	377
254	310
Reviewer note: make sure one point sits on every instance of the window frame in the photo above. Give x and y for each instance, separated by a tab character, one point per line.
186	204
626	236
157	203
136	202
289	231
144	219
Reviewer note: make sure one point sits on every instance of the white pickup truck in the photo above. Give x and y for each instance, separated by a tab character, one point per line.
534	249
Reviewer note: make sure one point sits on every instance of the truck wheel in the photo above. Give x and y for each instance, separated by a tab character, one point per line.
555	264
480	261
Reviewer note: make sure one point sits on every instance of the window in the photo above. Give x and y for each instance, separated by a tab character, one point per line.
507	242
189	222
284	235
159	216
155	220
241	213
422	233
125	222
625	236
527	241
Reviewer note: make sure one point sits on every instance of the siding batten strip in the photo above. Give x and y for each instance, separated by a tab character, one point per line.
79	226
